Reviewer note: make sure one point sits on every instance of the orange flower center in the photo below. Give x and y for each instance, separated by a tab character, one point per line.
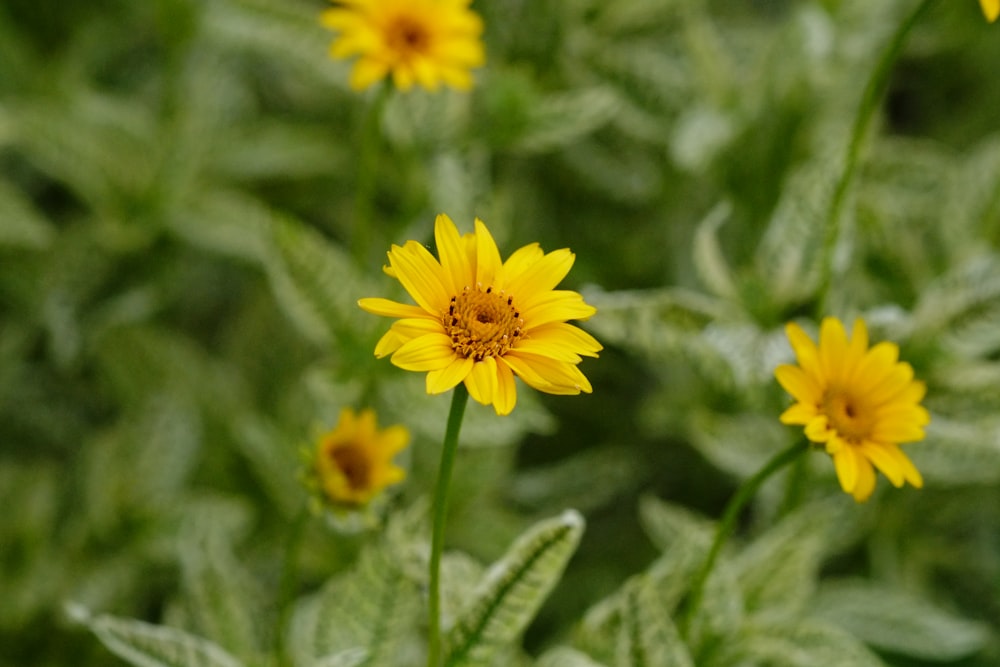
850	416
482	323
408	37
354	465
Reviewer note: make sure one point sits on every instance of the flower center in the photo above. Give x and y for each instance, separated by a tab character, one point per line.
852	418
482	323
407	36
354	465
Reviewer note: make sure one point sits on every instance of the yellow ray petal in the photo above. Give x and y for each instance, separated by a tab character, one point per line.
488	265
443	379
800	413
805	350
798	383
454	259
421	275
572	337
555	306
482	381
832	348
542	275
506	395
991	9
387	308
429	352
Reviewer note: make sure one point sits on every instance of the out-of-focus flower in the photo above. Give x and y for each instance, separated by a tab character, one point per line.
482	321
423	42
991	8
353	462
860	403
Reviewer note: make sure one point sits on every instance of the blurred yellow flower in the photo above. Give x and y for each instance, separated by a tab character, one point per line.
424	42
991	8
860	403
482	321
353	462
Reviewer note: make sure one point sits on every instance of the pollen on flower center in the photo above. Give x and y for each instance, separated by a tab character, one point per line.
482	323
355	466
407	36
850	417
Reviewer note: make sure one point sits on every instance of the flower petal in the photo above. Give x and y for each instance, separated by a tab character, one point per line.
541	275
454	259
555	306
387	308
443	379
489	268
506	394
429	352
566	335
482	381
799	384
421	275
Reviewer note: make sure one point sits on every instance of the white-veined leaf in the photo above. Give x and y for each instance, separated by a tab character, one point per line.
512	591
146	645
647	636
898	621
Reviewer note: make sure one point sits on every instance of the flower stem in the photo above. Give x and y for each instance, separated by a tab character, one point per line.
872	96
364	190
459	399
289	582
728	523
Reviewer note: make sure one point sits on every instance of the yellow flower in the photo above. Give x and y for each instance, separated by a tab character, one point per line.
426	42
482	321
353	462
861	403
991	8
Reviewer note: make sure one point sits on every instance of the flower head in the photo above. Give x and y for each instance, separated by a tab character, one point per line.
353	462
427	42
991	8
860	403
482	321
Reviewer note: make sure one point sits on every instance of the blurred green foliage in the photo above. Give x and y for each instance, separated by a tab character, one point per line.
178	282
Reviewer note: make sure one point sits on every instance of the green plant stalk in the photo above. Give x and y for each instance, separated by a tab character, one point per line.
728	523
289	582
459	399
364	191
871	98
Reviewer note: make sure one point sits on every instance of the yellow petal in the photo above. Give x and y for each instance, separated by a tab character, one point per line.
991	9
832	348
421	275
800	413
458	271
482	380
387	308
429	352
367	71
442	380
865	484
566	335
540	276
805	350
884	461
488	264
555	306
556	374
818	429
798	383
847	468
506	394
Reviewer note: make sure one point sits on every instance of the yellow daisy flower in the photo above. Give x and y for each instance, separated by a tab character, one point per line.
427	42
991	8
353	462
860	403
482	321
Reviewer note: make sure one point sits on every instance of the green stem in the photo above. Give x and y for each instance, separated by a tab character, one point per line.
870	100
289	583
364	190
459	399
728	523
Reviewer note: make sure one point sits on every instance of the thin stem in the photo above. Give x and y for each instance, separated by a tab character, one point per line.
870	100
364	191
459	399
289	582
728	523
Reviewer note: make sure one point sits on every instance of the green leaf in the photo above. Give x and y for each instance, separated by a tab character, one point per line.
370	606
959	453
778	571
146	645
220	594
21	226
562	119
964	294
569	482
563	656
512	591
647	636
802	643
711	264
316	283
897	621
